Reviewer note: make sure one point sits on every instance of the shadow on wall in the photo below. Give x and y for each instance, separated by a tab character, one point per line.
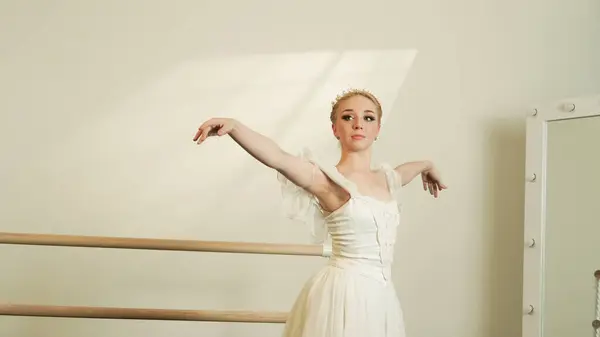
505	208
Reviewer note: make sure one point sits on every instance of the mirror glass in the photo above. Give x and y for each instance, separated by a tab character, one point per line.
572	227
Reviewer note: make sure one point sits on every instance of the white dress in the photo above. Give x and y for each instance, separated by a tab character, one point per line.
353	295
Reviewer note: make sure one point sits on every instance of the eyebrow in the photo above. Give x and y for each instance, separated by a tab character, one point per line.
352	110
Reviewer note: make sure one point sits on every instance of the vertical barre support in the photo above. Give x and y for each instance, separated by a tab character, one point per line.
596	321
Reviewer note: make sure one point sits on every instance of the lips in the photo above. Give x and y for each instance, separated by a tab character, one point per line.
358	137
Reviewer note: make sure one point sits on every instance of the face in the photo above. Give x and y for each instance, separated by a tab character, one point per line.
357	123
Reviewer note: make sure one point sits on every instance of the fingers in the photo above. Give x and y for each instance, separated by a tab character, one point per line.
201	131
432	185
202	134
197	135
206	130
434	188
213	127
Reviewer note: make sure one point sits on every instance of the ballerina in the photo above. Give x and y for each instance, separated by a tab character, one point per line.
354	206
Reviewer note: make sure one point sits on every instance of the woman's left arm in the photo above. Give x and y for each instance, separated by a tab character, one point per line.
429	174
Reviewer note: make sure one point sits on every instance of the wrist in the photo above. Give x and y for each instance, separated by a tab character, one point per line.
427	165
235	125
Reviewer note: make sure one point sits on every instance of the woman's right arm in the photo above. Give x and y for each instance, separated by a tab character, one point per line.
266	151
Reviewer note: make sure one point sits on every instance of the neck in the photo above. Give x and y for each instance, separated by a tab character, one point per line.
355	161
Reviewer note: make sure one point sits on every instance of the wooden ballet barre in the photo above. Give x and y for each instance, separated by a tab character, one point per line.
142	314
161	244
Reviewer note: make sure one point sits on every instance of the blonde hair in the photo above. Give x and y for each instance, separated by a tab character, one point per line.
351	93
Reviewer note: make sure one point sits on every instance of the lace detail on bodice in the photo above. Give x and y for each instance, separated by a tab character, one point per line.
361	234
388	219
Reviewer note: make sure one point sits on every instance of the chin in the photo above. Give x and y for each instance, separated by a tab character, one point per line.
357	146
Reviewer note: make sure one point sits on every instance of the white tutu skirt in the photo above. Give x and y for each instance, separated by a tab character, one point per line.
337	302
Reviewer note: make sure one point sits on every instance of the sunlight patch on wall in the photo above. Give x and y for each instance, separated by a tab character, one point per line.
137	159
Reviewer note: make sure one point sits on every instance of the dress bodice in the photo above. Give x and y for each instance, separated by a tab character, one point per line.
361	233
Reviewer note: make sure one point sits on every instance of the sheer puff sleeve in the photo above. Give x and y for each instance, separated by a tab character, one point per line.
300	205
394	181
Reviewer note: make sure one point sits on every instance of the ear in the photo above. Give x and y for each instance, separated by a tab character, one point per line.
334	129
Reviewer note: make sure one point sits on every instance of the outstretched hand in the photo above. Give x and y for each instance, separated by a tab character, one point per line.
432	182
214	127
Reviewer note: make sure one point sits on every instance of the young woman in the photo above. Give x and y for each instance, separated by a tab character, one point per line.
351	204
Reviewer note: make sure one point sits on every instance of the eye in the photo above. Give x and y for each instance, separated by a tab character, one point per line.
346	117
370	118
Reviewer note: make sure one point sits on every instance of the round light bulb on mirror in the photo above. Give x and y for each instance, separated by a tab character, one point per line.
568	107
532	177
530	243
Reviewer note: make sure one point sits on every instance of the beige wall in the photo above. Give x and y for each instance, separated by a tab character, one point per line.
100	101
571	242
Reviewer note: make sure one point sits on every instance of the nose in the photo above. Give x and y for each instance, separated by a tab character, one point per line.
357	125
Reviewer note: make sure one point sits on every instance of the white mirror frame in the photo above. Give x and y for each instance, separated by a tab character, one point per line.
535	201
